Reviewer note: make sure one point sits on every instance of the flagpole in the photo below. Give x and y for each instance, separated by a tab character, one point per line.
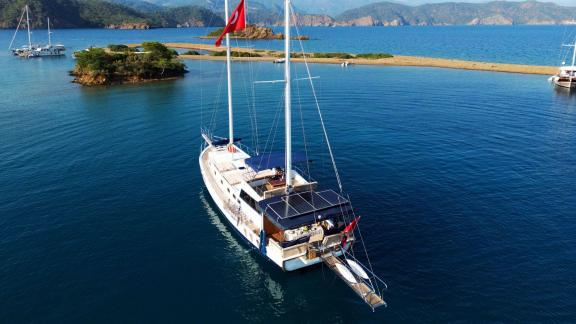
229	72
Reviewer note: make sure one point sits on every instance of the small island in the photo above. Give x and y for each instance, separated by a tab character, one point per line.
253	32
118	64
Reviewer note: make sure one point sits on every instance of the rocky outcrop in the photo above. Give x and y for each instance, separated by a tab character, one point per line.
371	21
129	26
313	20
192	23
255	32
89	79
492	20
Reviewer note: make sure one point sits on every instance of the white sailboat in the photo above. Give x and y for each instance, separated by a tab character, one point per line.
276	209
566	76
31	51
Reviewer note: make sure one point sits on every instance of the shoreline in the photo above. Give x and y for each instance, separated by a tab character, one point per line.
415	61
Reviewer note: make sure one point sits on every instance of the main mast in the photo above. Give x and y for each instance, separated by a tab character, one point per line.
574	54
288	97
28	23
229	72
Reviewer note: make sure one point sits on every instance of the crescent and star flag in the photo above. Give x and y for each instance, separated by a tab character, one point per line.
348	229
236	22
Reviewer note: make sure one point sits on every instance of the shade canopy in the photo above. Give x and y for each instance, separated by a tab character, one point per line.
305	208
272	160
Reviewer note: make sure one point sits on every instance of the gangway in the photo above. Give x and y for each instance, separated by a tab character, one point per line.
362	286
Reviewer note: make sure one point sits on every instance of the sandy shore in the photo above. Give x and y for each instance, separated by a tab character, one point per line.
269	56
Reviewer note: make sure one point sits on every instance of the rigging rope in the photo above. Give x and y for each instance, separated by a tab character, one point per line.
318	105
328	141
17	28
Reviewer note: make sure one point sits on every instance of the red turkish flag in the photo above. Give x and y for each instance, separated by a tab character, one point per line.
348	229
236	22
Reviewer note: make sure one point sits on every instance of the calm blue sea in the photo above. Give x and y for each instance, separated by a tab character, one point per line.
465	181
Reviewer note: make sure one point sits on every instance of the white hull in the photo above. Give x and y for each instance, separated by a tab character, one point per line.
246	223
565	84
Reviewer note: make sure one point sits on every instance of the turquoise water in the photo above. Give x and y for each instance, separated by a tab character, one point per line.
465	181
538	45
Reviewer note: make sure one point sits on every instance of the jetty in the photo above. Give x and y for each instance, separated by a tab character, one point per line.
263	55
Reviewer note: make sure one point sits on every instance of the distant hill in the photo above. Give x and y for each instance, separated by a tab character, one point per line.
139	5
492	13
324	7
67	13
98	13
190	16
142	14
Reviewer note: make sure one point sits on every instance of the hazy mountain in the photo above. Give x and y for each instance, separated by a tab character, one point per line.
492	13
140	5
328	7
97	13
139	14
67	13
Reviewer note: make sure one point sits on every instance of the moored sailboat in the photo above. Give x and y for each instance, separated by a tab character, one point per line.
30	50
276	209
566	76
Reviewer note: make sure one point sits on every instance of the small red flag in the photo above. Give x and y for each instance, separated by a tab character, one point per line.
236	22
348	229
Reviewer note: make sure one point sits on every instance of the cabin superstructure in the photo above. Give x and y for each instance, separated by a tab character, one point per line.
292	229
289	218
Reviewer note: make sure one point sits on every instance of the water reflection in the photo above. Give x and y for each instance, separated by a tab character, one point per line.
565	93
255	279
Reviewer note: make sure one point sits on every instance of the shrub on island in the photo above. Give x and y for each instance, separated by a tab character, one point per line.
121	48
374	56
191	52
333	55
97	66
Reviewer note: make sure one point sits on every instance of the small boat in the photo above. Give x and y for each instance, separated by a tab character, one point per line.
345	272
31	51
280	61
566	76
345	64
357	269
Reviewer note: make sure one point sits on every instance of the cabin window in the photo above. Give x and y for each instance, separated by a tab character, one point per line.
246	197
228	190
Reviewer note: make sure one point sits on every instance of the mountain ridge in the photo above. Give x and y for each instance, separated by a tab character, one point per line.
141	14
458	13
100	14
